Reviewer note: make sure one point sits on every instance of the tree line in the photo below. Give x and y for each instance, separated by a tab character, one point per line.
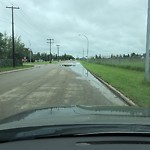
6	47
46	57
23	53
132	55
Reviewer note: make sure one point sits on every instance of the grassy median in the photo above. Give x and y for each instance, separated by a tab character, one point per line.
129	82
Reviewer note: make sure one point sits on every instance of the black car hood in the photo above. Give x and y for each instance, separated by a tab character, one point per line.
78	115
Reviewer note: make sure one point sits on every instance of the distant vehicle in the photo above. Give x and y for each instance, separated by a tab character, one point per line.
69	63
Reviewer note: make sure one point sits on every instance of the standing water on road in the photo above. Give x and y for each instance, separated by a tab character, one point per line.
86	75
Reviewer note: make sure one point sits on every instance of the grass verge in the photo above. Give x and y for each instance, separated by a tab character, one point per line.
129	82
136	64
2	69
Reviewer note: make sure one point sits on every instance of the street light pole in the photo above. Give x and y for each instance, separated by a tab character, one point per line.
30	51
87	44
147	44
83	52
58	51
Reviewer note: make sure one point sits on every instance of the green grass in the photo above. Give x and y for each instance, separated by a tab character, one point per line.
126	63
2	69
129	82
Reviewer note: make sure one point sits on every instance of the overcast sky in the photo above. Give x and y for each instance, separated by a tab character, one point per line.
112	26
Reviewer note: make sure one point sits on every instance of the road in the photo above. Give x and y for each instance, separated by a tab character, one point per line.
52	85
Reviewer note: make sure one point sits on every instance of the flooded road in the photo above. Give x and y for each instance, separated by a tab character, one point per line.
50	86
86	75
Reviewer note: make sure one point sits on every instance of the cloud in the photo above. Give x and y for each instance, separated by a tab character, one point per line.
112	26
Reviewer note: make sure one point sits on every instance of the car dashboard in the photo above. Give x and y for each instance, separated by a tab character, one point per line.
81	143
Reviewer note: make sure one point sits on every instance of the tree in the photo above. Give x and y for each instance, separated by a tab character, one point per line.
96	57
6	47
133	55
100	56
66	57
44	57
1	46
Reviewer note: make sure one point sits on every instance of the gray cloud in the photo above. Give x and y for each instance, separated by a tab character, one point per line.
112	26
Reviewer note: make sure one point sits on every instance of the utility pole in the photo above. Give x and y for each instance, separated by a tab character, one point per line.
50	41
13	41
147	44
58	51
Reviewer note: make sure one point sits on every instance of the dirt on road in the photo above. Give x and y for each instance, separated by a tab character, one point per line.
52	85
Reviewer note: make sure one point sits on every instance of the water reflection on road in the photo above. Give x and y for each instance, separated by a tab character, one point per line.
86	75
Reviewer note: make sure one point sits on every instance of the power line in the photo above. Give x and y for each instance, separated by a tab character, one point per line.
4	4
13	40
4	20
30	24
28	35
25	31
29	21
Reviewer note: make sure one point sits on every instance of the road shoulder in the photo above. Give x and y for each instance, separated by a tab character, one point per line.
16	70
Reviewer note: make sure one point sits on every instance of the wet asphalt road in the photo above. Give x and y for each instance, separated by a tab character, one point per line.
52	85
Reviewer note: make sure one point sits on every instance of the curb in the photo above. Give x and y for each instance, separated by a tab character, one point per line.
17	70
115	91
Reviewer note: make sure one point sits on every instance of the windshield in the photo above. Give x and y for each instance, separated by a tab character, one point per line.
74	62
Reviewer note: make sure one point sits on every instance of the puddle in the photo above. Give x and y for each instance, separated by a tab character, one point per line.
86	75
